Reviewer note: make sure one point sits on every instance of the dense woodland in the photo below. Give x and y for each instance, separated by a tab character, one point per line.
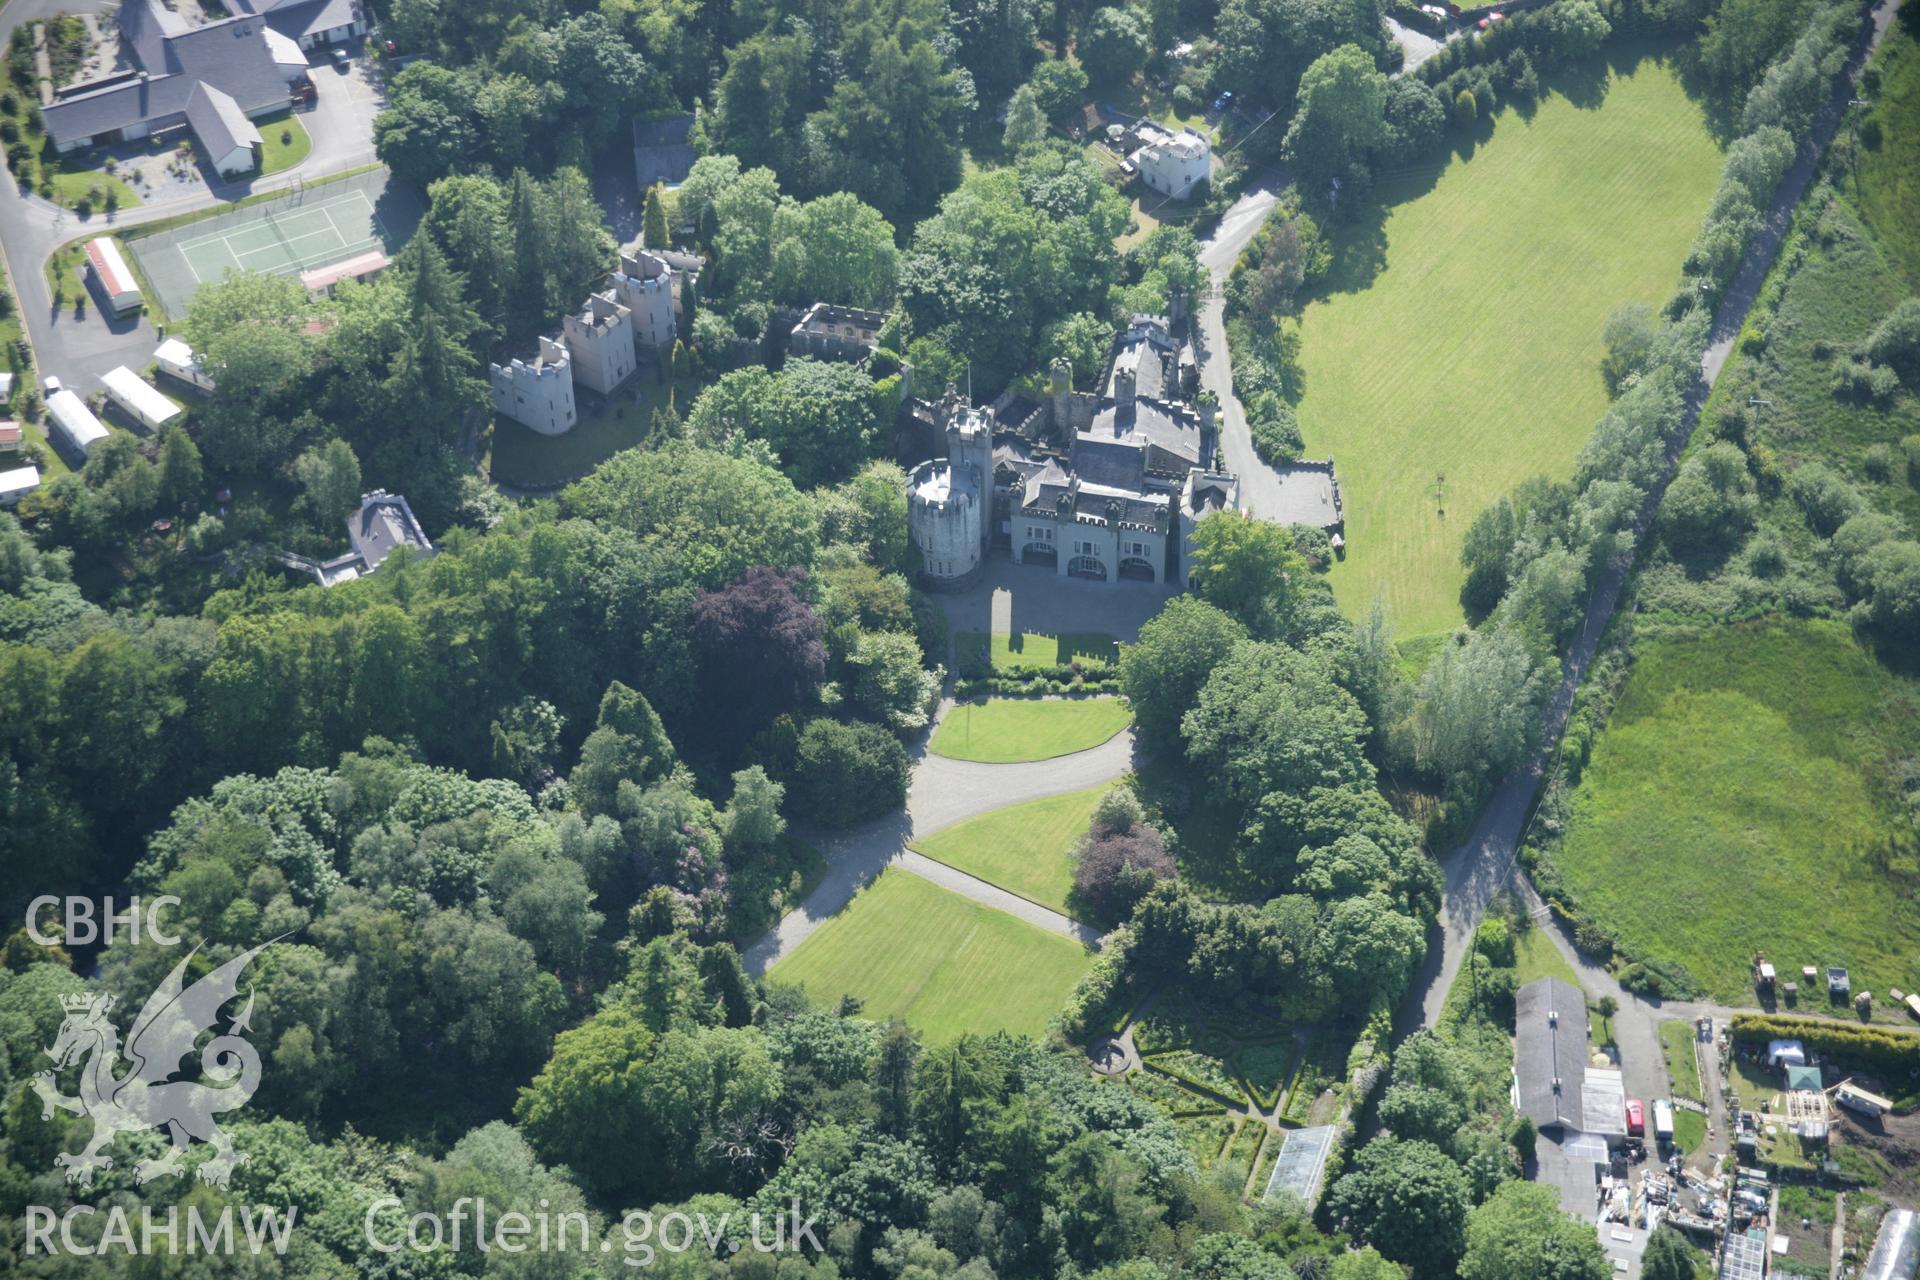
516	810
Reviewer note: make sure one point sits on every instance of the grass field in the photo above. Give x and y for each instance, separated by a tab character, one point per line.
1739	800
1889	174
1031	649
1683	1066
73	189
1023	848
1474	350
911	949
277	154
1689	1129
1006	730
1535	956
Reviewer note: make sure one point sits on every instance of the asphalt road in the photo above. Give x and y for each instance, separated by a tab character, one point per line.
80	348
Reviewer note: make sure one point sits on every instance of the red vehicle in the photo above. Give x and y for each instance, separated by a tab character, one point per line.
1636	1119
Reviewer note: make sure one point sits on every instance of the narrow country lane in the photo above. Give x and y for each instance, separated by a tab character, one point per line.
1259	486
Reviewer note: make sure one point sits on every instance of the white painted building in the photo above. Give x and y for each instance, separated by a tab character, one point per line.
72	421
177	360
231	141
138	398
1172	163
537	393
599	337
16	483
111	273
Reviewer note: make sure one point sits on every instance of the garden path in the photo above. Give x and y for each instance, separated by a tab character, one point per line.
941	793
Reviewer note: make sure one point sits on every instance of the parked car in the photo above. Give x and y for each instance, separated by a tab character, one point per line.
1636	1119
1224	101
341	58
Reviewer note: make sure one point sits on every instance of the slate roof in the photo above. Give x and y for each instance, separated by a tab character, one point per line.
297	19
1118	464
1209	494
230	55
1547	1049
1119	506
1173	437
383	524
662	150
217	119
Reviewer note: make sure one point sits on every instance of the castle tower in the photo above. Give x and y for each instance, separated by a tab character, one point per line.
1060	390
946	520
970	449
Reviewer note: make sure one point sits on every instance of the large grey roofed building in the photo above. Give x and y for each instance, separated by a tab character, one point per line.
234	56
1105	486
309	22
1550	1052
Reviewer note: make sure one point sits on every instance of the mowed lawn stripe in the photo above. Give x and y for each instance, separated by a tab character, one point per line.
1474	352
1024	848
1012	730
910	949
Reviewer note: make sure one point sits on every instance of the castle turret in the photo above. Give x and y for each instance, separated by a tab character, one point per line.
946	520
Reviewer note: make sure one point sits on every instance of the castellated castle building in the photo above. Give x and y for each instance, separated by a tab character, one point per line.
1105	486
599	337
539	392
600	346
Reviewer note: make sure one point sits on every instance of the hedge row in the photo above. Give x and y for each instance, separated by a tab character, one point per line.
1030	687
973	666
1882	1047
1104	996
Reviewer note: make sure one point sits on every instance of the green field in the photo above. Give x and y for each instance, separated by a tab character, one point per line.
1739	800
911	949
73	189
1535	956
1474	351
1889	174
1007	730
1024	848
277	154
1683	1064
1689	1129
1031	649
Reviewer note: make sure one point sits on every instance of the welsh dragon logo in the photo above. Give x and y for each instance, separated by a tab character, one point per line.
147	1096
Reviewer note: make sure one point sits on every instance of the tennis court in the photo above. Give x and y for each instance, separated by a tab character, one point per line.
313	227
